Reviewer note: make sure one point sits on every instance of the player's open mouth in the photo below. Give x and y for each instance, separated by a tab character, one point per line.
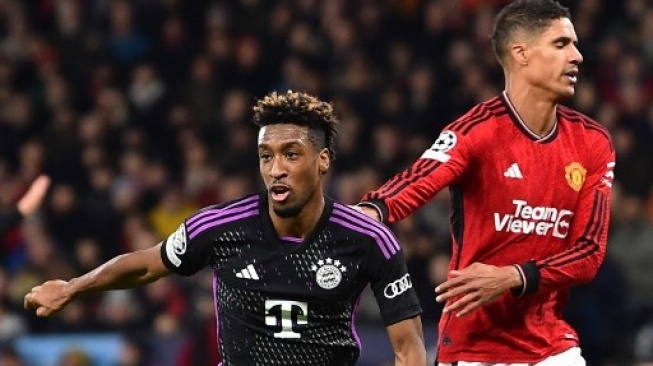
572	75
279	193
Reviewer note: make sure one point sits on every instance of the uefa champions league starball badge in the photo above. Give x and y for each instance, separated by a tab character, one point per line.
328	273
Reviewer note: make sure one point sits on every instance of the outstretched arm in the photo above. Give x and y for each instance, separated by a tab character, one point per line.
124	271
408	342
443	164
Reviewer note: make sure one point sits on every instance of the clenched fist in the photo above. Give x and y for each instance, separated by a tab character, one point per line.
48	298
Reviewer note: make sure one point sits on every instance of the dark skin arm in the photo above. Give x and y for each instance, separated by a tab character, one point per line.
408	342
124	271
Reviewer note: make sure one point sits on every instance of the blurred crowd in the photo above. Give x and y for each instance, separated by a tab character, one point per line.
139	111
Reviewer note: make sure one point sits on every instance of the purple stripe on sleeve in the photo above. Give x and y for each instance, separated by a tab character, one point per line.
387	237
217	214
361	216
368	222
204	213
363	231
226	220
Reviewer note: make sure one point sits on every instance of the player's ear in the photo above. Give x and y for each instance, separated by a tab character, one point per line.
324	160
518	53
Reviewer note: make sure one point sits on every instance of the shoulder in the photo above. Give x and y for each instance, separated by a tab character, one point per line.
474	129
215	216
580	122
479	117
377	233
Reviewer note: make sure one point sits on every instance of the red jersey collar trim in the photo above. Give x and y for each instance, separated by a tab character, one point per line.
521	125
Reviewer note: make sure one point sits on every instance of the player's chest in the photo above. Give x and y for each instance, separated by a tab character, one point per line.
544	174
320	268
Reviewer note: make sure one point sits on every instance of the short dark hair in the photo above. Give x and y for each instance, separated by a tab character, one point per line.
300	109
528	16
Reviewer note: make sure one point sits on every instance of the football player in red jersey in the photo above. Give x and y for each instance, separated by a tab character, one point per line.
530	183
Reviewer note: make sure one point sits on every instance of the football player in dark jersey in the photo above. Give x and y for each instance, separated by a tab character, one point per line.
289	263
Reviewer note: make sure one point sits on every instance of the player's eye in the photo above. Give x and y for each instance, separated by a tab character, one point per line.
292	155
264	157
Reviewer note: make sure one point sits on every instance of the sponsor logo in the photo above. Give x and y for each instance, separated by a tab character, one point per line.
176	245
538	220
248	273
328	273
279	314
575	175
513	172
397	287
438	151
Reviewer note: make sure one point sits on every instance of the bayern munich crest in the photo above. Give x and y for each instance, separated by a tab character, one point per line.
328	273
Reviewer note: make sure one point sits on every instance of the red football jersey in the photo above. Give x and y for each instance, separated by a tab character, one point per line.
542	203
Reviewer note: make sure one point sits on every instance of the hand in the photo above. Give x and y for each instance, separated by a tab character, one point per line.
475	286
31	201
48	298
369	211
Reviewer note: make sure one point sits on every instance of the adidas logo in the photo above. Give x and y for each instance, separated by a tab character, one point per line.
248	273
513	172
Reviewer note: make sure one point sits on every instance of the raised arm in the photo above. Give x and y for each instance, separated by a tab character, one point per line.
124	271
27	205
31	200
408	342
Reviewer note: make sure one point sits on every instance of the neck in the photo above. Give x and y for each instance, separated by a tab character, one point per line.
303	224
533	105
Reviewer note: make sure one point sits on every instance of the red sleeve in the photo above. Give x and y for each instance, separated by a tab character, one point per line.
580	262
441	165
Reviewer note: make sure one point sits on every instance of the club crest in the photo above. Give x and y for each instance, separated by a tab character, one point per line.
328	273
575	175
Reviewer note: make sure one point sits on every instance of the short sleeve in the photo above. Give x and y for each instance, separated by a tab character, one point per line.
186	256
393	287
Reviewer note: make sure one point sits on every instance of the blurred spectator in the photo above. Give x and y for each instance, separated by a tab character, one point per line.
74	357
9	357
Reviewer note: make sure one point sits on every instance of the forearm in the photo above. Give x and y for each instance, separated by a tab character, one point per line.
408	342
577	265
124	271
413	355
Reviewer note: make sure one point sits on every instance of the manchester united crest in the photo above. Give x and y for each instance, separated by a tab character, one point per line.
575	175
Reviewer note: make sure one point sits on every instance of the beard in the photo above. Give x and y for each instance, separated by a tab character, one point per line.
294	210
287	212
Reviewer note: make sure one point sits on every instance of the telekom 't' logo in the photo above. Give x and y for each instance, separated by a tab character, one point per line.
285	314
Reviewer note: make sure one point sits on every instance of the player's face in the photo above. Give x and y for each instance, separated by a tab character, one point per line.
291	167
553	59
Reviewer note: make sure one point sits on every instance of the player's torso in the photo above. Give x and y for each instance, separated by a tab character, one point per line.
279	297
520	199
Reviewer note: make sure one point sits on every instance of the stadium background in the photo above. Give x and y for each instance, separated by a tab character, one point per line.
139	112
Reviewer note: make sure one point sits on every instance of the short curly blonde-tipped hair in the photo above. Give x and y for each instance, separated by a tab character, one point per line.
301	109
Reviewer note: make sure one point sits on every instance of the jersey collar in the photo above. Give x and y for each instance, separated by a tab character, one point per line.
271	233
521	125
